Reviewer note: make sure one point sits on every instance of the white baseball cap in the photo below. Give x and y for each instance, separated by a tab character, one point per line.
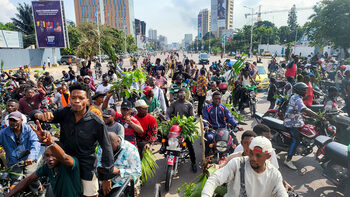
141	103
263	143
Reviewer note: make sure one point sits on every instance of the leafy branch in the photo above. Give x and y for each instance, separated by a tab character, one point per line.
189	129
125	83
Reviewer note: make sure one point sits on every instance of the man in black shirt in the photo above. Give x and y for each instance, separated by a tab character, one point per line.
81	131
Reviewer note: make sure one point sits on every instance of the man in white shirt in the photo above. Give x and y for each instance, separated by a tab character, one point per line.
249	176
104	88
213	88
262	130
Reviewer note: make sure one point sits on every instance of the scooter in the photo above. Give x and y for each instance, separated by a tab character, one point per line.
176	151
334	159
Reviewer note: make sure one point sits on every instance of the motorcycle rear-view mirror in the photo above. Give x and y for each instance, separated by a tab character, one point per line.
24	154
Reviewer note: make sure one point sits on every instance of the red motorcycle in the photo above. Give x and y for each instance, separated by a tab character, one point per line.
282	139
176	152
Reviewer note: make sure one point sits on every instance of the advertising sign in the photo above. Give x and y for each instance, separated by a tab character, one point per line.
11	39
49	26
221	13
221	9
200	27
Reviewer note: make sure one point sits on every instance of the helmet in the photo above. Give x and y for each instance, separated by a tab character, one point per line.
319	61
300	88
223	86
175	131
343	67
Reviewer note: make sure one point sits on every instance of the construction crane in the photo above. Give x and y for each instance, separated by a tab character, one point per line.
273	11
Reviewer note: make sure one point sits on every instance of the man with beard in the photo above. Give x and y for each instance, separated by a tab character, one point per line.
16	139
249	176
81	131
149	125
61	169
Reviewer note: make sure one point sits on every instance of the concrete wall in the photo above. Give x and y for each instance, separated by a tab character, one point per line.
13	58
273	49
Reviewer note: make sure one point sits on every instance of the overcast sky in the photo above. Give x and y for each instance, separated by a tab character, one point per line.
174	18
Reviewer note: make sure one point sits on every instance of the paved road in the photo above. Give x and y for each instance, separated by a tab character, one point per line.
308	180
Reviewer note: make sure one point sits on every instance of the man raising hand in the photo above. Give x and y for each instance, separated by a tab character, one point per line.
61	169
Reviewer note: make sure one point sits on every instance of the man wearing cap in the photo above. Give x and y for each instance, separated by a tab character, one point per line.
249	176
88	81
150	99
174	89
96	106
149	125
131	125
112	126
16	139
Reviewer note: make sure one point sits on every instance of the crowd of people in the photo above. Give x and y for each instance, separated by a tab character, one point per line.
100	145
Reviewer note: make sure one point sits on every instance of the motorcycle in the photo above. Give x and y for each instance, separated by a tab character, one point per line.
224	141
7	176
334	159
176	152
282	139
280	109
251	100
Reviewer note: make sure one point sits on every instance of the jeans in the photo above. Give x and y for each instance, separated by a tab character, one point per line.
201	100
296	138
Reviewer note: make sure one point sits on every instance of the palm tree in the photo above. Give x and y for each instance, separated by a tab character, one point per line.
24	23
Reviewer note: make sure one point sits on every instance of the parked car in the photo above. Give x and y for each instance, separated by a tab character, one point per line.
261	78
266	53
203	58
67	59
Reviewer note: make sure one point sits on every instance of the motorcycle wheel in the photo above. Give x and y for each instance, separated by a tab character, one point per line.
252	108
169	177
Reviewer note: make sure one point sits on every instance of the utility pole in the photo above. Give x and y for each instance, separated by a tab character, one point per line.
251	31
98	32
125	35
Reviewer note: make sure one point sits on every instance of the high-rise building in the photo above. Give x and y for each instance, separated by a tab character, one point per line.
152	34
203	23
118	14
163	41
137	27
221	16
188	39
143	28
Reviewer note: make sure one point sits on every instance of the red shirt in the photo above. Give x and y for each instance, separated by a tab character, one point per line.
150	128
129	132
290	72
310	95
28	105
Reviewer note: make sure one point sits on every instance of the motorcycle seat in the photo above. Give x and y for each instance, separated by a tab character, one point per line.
322	140
274	123
338	153
316	108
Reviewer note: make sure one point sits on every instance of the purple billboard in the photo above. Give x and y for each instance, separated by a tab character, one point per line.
48	22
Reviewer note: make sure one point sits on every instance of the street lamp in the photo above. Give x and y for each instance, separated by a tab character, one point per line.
251	31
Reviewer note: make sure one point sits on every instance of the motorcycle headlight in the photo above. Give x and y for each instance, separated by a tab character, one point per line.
221	146
173	143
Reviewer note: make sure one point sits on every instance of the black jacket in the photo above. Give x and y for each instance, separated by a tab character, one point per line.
80	140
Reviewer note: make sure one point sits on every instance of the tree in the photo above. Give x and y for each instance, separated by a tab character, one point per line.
7	26
89	40
24	23
74	39
330	24
292	19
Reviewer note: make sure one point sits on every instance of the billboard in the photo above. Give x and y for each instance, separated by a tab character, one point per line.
200	26
49	26
221	9
11	39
